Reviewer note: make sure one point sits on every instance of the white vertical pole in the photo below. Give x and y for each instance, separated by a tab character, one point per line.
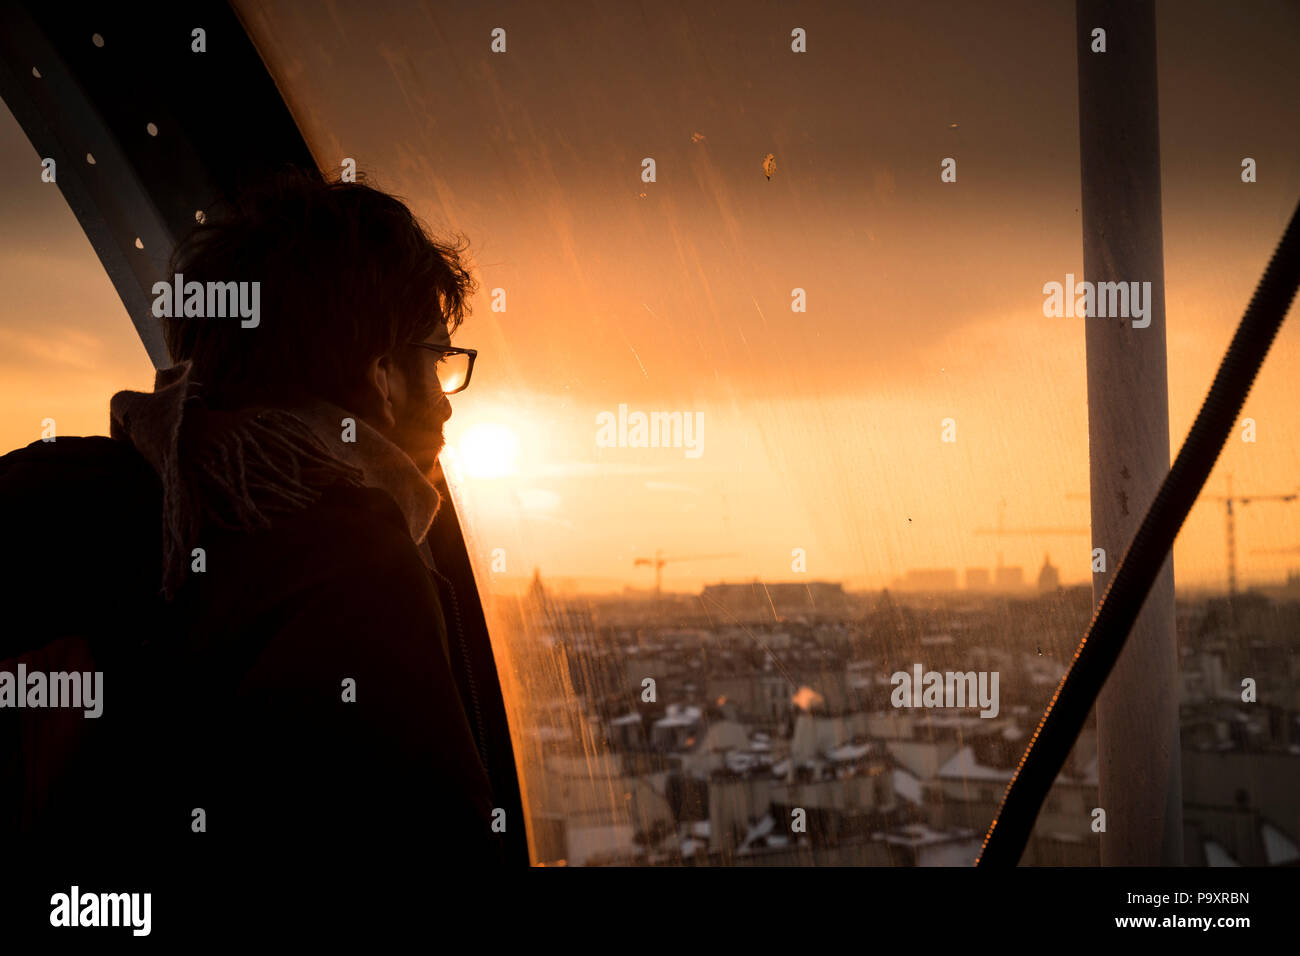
1139	761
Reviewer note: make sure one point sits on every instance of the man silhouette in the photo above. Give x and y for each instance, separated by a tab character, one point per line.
258	588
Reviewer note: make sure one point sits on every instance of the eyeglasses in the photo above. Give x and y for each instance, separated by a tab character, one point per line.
454	366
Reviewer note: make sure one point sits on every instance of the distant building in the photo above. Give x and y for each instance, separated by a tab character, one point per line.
930	579
1284	592
1049	576
549	620
978	579
537	599
1009	578
759	600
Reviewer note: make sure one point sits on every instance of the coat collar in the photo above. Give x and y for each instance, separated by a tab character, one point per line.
382	463
243	466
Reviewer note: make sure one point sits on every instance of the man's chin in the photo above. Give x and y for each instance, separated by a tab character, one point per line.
427	461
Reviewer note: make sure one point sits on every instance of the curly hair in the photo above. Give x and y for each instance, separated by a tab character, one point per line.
347	274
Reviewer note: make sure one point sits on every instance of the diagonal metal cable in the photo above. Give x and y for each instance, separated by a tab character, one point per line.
1123	600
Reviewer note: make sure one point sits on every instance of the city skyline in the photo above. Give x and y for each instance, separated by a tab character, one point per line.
562	585
822	430
824	359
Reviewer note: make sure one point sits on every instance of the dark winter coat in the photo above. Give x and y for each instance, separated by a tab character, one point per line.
299	691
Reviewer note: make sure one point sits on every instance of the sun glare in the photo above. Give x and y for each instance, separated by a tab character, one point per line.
488	451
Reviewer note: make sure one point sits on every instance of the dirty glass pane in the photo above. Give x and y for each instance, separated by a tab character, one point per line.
66	341
768	410
767	414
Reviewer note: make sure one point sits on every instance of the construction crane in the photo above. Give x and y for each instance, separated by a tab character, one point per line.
1231	529
1044	532
658	562
1003	531
1230	525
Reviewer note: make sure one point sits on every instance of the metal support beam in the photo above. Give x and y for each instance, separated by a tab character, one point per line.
174	129
1139	761
171	130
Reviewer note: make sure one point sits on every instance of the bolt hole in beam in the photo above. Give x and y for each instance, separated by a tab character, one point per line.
73	93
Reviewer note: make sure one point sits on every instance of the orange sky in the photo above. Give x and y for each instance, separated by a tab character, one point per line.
822	429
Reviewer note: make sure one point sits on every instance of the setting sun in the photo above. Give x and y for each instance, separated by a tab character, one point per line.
488	451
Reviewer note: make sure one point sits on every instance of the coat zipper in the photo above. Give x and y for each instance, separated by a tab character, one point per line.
469	670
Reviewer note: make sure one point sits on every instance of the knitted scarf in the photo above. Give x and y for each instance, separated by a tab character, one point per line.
238	469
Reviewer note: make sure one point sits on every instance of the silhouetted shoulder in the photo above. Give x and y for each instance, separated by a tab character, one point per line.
82	513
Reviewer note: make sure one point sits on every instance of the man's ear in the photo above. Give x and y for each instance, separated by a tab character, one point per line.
375	401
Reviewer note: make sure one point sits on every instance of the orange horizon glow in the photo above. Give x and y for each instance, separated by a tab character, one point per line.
821	429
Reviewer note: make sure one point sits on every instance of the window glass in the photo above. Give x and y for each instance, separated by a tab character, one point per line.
66	341
864	447
767	411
